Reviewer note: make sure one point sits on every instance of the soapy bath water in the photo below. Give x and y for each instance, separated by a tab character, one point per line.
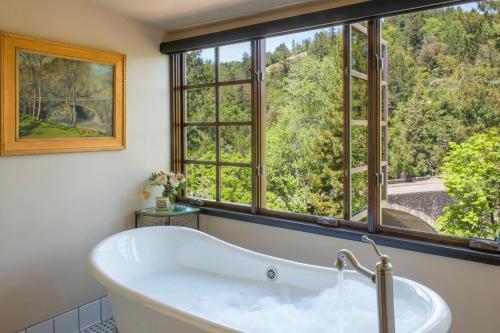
268	307
340	299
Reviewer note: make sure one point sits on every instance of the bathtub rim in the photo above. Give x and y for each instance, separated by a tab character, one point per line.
440	313
117	287
184	316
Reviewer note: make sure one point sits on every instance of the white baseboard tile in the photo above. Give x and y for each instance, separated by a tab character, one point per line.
76	320
45	327
105	309
90	314
67	322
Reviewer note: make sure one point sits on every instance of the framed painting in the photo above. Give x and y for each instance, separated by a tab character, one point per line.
58	98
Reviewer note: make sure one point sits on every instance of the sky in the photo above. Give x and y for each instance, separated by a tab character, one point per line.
234	52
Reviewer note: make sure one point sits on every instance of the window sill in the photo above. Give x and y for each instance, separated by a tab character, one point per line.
449	251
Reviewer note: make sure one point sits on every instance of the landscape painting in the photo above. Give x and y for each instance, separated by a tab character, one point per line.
59	98
63	98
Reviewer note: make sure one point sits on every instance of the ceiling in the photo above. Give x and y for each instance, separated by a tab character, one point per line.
173	15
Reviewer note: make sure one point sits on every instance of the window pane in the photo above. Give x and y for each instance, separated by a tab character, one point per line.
200	105
200	143
236	103
359	50
236	185
359	146
304	122
359	99
200	66
236	144
359	194
443	121
201	181
235	62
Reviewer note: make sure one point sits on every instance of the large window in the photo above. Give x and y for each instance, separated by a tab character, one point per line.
389	125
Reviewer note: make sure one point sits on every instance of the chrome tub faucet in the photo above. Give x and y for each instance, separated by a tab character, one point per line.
383	279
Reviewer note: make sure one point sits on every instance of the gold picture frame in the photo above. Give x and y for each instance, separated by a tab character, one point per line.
57	98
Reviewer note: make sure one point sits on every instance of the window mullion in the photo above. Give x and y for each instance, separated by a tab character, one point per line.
347	122
255	133
374	78
217	131
259	183
177	144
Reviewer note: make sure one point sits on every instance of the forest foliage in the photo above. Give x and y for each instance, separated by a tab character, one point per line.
444	79
472	177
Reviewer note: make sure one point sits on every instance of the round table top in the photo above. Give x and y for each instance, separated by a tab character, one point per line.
171	212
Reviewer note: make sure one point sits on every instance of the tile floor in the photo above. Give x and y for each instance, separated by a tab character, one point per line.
107	326
93	317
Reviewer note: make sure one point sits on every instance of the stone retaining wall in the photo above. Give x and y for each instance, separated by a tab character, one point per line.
428	203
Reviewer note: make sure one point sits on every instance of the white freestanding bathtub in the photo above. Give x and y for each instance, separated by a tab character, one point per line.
178	280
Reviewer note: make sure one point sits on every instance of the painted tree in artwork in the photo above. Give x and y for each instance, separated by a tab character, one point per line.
33	65
71	71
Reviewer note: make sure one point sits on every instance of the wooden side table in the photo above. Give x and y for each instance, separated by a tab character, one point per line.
188	217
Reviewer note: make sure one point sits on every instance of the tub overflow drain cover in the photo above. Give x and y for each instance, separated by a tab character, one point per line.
271	273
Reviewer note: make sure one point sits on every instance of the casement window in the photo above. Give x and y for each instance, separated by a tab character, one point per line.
217	123
361	124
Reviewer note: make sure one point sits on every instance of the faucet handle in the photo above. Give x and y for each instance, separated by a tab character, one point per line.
365	239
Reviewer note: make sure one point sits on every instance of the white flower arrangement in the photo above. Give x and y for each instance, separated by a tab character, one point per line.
171	182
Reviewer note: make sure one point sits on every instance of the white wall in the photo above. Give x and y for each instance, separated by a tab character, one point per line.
55	208
471	289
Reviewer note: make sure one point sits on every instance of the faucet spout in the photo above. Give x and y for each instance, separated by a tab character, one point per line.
383	279
346	255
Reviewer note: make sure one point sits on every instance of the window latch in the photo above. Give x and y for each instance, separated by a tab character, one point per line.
196	202
328	221
380	178
259	76
260	170
380	62
484	244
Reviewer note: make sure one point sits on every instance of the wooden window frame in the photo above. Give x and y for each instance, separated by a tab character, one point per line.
349	73
179	125
376	161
